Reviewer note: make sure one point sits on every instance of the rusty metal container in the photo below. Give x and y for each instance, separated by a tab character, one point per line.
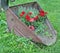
21	29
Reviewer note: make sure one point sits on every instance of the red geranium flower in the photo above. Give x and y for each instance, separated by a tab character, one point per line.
30	13
36	17
27	17
32	28
42	13
31	20
22	13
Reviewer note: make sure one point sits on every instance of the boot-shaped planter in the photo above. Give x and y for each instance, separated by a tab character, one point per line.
30	21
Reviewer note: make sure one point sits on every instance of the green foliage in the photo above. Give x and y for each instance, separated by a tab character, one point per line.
40	27
9	43
29	9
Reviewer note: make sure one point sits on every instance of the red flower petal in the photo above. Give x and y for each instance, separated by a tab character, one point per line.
42	13
30	13
27	17
22	13
32	28
36	17
31	20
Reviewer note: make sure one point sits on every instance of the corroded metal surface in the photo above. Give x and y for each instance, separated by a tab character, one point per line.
19	27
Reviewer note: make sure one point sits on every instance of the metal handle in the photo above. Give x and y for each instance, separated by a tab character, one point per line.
5	4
